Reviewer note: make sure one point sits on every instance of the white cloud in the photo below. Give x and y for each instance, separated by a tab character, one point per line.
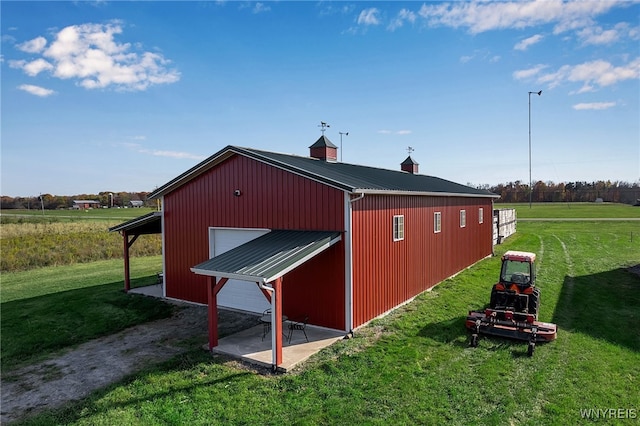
594	106
90	54
369	17
596	35
33	46
397	132
403	16
180	155
34	68
36	90
591	74
486	16
173	154
260	7
528	73
524	44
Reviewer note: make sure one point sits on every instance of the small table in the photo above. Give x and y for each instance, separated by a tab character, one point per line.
266	321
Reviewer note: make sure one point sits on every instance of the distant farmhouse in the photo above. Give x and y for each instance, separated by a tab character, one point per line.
85	204
136	203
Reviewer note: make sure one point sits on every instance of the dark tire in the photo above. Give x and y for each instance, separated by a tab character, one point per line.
534	302
494	297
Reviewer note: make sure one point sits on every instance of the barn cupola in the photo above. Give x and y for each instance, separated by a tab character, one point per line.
409	165
324	149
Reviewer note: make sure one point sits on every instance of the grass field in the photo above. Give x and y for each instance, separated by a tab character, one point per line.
30	240
48	309
572	210
413	366
115	215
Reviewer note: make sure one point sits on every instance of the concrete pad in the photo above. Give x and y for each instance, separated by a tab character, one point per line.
150	290
249	346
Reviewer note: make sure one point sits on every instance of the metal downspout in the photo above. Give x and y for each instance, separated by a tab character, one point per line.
350	261
273	323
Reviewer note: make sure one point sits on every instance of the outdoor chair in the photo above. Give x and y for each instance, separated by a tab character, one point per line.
266	325
298	325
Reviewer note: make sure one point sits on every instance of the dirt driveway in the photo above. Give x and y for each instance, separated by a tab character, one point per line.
100	362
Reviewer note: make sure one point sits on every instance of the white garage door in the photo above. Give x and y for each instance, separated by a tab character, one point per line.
237	294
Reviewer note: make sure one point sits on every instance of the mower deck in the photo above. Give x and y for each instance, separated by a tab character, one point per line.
536	331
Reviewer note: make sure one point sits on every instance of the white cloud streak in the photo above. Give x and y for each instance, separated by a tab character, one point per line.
405	15
524	44
33	46
594	106
173	154
397	132
529	72
593	74
90	55
36	90
260	8
369	17
479	17
180	155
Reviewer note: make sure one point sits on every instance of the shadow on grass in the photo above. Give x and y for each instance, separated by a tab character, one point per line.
450	331
454	332
603	306
35	327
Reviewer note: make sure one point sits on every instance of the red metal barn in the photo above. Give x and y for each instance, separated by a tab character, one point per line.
340	243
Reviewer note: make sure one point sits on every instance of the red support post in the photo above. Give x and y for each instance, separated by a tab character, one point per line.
127	279
212	292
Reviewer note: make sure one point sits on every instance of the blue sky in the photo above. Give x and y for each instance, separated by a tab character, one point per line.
125	96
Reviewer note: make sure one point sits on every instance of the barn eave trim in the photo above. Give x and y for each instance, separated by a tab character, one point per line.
422	193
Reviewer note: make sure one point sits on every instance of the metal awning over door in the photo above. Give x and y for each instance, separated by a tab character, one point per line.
269	256
263	260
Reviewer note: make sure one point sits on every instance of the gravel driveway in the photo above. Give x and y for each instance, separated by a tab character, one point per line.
100	362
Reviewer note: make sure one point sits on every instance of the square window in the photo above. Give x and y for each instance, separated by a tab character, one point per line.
437	222
463	218
480	215
398	228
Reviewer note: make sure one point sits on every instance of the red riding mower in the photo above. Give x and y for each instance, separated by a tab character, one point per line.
514	304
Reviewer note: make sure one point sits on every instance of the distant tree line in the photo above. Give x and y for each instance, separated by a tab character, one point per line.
55	202
569	192
512	192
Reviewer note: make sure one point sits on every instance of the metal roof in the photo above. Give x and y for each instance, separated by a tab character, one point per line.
323	142
352	178
269	256
149	223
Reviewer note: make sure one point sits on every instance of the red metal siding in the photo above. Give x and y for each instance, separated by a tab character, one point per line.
271	198
387	273
316	289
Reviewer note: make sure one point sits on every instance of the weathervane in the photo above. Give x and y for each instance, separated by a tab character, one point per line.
410	150
323	127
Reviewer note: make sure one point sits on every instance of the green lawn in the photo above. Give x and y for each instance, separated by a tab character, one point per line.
48	309
414	366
